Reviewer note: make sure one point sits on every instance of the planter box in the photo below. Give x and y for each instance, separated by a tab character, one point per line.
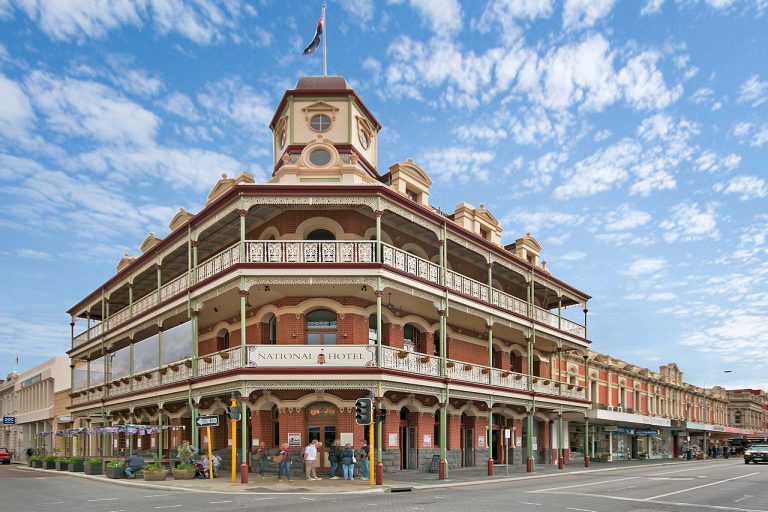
115	473
183	474
92	469
62	466
75	467
35	464
155	476
48	464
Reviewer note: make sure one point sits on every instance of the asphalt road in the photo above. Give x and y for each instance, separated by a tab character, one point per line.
699	486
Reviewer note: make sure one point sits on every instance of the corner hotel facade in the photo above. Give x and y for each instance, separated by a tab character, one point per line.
332	282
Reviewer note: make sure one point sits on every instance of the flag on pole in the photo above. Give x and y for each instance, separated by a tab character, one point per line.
311	47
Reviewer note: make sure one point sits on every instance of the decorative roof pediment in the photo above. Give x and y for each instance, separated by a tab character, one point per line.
320	106
149	242
486	215
125	261
412	170
182	217
227	183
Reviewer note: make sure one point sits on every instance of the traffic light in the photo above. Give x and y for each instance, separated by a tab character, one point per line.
363	411
381	414
233	412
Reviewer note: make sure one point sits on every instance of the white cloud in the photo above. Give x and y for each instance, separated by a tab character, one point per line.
91	110
484	133
661	297
457	163
43	337
645	266
688	223
584	13
747	187
753	241
361	10
600	172
651	7
443	16
523	220
543	168
234	100
574	256
509	14
709	161
201	21
602	135
16	114
643	83
754	91
32	254
180	104
131	80
535	125
751	134
625	218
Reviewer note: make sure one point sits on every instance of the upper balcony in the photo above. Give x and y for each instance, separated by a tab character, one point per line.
335	254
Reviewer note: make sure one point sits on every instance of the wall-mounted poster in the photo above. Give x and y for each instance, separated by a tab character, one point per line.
481	441
393	440
427	440
294	439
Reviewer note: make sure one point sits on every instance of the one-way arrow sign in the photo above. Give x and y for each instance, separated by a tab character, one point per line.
207	421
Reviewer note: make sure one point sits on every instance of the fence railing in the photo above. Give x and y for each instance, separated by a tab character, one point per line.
222	261
310	251
219	362
410	263
466	285
411	362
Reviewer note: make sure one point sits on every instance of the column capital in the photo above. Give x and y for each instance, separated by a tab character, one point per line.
378	293
158	266
242	293
441	312
378	214
195	243
242	213
195	313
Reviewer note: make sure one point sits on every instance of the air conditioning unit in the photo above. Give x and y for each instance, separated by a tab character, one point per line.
620	409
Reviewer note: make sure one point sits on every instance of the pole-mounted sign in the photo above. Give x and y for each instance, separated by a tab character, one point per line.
207	421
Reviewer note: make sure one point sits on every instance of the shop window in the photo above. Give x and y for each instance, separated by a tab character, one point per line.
321	327
321	234
372	339
410	337
275	426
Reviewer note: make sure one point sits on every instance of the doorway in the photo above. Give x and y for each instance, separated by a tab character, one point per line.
326	434
467	447
408	445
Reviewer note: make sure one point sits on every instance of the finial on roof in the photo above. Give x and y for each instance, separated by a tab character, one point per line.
224	175
528	234
151	233
410	160
182	210
125	255
482	206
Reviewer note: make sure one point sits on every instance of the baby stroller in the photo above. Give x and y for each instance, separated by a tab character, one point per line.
200	471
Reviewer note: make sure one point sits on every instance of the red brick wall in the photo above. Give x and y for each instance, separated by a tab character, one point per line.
287	326
392	335
469	352
425	425
543	434
346	423
391	426
292	422
355	327
454	431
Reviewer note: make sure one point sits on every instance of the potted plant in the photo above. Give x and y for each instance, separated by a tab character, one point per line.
486	371
35	461
154	472
425	359
450	364
174	367
546	382
505	374
208	359
224	355
92	467
467	367
188	363
519	376
115	469
49	462
184	472
75	464
402	354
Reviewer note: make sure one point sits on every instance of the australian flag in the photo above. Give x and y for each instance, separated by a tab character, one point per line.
311	47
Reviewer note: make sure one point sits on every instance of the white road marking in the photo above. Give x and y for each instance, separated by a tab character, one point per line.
217	502
580	509
674	478
104	499
156	495
743	498
695	506
259	499
168	506
54	503
701	486
585	485
622	488
693	469
309	499
528	503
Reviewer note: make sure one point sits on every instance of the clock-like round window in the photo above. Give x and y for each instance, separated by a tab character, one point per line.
320	123
281	137
320	157
364	137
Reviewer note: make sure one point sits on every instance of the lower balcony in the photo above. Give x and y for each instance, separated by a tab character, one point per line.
304	357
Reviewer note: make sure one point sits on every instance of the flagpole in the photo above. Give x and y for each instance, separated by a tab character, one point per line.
325	38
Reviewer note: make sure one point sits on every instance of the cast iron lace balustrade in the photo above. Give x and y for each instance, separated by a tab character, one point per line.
219	362
222	261
410	263
411	362
310	251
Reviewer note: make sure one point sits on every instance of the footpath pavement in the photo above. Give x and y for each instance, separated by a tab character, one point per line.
393	482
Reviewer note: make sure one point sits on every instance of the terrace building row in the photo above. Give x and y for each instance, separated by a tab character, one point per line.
333	282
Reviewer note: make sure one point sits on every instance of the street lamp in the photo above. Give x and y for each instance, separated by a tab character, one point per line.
706	409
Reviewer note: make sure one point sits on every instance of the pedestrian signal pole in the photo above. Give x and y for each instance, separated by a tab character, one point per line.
210	458
233	414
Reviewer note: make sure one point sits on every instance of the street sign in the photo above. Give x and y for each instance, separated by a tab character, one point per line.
9	420
207	421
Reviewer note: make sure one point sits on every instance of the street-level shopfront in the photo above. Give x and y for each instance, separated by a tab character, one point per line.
623	436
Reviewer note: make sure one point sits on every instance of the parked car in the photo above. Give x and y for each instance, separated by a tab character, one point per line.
5	455
756	453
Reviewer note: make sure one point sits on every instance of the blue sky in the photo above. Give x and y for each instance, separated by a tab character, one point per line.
629	137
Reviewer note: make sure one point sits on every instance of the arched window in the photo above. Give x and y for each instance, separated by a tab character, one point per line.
272	330
411	337
372	330
222	340
321	327
321	234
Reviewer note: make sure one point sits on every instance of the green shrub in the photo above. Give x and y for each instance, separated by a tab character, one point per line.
185	467
36	458
50	458
115	464
75	460
154	466
93	462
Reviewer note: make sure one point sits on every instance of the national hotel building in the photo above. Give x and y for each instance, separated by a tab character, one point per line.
334	281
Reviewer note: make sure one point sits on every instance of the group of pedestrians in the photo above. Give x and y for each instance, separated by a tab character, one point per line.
340	457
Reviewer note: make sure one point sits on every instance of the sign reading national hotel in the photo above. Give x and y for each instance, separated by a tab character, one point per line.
355	356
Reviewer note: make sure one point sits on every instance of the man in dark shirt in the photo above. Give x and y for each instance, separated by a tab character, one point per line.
133	464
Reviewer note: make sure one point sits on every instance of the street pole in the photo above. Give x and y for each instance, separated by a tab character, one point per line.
706	408
210	458
234	446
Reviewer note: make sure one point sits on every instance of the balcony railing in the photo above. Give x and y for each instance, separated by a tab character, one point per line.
350	356
337	251
310	251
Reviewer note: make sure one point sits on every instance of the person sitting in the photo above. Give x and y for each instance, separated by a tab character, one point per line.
132	464
199	470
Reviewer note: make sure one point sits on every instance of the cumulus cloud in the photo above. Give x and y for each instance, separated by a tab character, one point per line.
688	223
746	187
754	91
443	16
457	163
751	134
584	13
510	15
645	266
651	7
625	218
236	101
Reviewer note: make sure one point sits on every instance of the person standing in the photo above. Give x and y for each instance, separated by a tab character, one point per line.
261	458
310	457
286	462
363	455
334	457
348	462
